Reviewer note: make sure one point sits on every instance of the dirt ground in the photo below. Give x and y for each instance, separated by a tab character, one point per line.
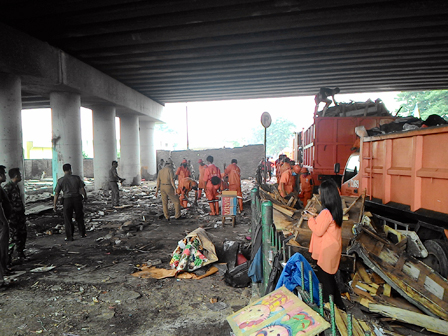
90	290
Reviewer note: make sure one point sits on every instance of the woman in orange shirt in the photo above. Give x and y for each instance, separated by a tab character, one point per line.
326	240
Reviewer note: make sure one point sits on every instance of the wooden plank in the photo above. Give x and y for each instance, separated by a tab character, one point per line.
362	272
340	322
386	289
364	294
357	330
430	323
346	210
283	210
371	290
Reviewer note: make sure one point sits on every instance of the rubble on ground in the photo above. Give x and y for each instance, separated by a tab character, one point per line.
86	285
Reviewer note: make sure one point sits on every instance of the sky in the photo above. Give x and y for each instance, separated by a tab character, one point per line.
210	124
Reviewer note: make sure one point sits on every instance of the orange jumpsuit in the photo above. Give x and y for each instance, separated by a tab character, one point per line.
289	182
234	173
284	166
202	183
181	173
278	165
211	191
187	184
306	183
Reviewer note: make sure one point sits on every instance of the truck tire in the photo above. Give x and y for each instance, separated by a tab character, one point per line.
437	257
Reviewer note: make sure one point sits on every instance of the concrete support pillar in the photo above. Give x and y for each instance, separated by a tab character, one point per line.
104	144
130	149
11	140
147	150
66	124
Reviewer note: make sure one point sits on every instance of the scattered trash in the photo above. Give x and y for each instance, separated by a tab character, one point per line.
42	269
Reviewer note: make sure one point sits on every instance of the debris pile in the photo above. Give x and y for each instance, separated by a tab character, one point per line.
392	289
357	109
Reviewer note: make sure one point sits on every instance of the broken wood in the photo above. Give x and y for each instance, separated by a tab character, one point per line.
346	210
283	210
411	278
430	323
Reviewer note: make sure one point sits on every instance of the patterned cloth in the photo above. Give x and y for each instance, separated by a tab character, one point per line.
190	257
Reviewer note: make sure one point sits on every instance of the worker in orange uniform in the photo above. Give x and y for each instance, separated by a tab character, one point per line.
287	181
188	184
306	183
181	173
201	185
212	178
234	174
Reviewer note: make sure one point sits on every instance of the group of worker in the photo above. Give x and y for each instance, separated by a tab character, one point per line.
293	180
211	180
13	232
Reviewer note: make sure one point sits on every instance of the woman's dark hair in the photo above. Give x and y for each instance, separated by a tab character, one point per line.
331	200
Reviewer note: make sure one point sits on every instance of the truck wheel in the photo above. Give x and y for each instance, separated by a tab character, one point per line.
437	257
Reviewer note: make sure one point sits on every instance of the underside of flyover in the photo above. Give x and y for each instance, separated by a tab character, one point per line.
178	51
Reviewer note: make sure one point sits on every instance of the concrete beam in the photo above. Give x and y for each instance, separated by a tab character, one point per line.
44	69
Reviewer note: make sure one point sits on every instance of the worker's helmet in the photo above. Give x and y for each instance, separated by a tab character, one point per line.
304	170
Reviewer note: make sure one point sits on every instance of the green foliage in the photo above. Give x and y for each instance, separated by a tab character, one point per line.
84	155
278	136
429	102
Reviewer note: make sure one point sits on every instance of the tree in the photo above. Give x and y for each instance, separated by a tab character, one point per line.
278	136
429	102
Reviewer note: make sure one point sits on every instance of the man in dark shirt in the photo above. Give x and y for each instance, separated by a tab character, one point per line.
4	228
322	97
72	187
17	220
113	183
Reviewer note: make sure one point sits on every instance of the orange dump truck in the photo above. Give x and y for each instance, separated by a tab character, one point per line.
405	177
329	141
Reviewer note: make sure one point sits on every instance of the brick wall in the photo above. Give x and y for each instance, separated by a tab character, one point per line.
35	167
248	157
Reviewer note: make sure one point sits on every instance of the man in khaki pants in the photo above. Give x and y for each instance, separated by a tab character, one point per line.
165	183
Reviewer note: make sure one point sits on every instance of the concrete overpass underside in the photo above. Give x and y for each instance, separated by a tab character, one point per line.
176	51
127	58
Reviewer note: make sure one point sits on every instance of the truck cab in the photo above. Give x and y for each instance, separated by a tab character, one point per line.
350	178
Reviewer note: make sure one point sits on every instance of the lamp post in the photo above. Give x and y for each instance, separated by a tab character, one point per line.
266	122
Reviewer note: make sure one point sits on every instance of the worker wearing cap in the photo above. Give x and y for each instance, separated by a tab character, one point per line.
187	185
181	173
201	185
165	183
211	190
306	183
234	174
287	181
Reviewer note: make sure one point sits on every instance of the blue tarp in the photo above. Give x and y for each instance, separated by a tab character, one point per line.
291	276
255	271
